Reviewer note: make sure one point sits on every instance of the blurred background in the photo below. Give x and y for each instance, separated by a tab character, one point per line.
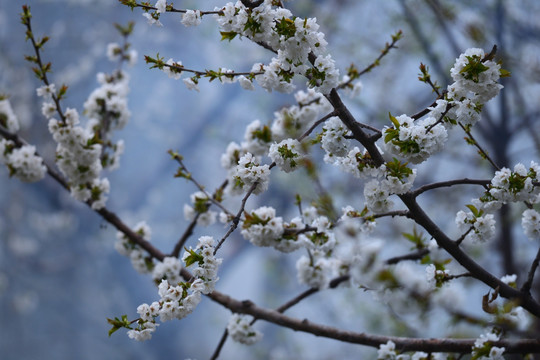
60	277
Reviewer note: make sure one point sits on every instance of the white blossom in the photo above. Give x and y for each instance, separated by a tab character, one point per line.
191	18
161	6
530	221
241	331
387	351
190	84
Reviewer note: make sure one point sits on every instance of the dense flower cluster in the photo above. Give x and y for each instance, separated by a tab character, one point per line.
287	154
82	152
23	161
262	228
178	299
291	37
333	139
415	141
247	173
106	109
505	187
8	119
481	227
206	264
475	83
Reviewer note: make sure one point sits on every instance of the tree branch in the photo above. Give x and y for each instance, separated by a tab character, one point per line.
526	288
450	183
402	343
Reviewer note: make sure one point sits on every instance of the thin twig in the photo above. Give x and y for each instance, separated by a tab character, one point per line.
317	123
526	288
482	152
185	236
412	256
404	213
450	183
180	69
188	176
376	62
39	62
222	341
238	216
174	10
462	237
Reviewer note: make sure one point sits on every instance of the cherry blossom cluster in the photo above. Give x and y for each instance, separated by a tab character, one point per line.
206	264
393	177
82	152
483	348
505	187
294	39
78	158
176	302
332	249
21	161
241	330
177	298
475	83
480	226
107	111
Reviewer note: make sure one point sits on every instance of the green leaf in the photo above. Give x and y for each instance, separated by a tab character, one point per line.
118	323
394	121
504	73
193	257
474	210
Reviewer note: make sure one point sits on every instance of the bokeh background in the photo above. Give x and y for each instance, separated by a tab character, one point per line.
60	277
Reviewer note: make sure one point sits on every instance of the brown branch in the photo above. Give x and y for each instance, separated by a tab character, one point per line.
185	236
526	288
238	216
224	337
478	272
402	343
412	256
404	213
188	176
314	126
449	183
421	218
